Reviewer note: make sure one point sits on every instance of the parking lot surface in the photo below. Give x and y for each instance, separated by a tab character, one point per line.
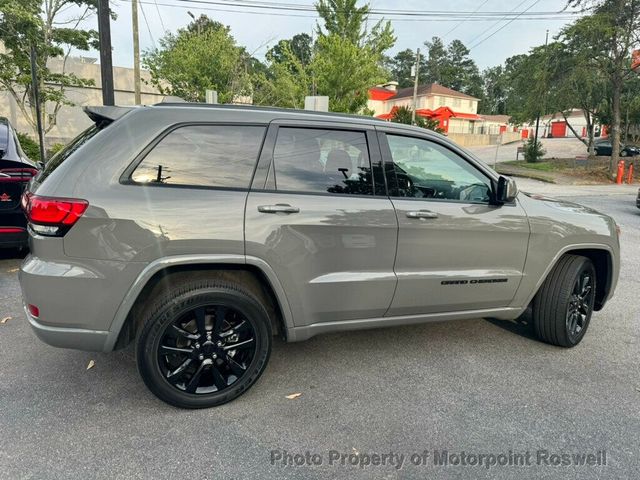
476	386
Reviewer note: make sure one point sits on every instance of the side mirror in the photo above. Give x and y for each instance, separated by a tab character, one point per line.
506	191
40	165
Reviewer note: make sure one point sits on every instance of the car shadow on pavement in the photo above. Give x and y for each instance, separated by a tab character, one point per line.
523	325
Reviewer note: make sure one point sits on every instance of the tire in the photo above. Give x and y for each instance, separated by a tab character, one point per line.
185	338
624	153
562	309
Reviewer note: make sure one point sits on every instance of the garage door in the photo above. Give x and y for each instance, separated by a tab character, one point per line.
559	129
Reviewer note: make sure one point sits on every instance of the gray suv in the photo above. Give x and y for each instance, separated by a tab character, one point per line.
199	232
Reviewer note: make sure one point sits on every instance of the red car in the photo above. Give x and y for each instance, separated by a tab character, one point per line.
15	172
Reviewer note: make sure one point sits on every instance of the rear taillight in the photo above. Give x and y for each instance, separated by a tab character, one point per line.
34	311
17	174
50	215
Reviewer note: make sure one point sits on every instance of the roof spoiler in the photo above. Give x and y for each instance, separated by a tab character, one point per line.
106	114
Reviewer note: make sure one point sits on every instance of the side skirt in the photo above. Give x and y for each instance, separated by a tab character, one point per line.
298	334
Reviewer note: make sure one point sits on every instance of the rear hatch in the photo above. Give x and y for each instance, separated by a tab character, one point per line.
53	216
102	117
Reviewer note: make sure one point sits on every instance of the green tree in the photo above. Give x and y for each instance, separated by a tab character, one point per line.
202	56
344	71
300	45
436	62
401	64
609	34
574	84
533	150
53	34
459	71
285	81
527	78
494	91
349	57
452	67
343	18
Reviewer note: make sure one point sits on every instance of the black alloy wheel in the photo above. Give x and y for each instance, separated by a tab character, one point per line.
207	349
563	306
203	343
580	305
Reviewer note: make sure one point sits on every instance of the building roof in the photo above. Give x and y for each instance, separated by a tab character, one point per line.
381	93
430	89
496	118
438	113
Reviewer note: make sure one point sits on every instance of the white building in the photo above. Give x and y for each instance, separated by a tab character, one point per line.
456	112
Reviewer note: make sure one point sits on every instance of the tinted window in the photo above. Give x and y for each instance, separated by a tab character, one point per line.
57	160
328	161
425	169
203	155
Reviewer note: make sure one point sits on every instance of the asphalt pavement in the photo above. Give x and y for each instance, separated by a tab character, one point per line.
375	404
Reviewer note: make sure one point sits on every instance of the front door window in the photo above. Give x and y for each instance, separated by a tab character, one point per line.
424	169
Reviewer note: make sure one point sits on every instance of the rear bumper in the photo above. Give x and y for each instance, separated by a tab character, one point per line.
77	298
13	237
62	337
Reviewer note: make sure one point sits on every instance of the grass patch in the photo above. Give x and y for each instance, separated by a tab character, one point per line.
539	166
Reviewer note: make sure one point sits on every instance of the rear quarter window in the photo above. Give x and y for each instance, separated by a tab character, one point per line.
203	156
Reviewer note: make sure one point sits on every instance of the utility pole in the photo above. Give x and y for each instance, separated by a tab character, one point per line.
544	103
35	89
106	66
415	88
136	52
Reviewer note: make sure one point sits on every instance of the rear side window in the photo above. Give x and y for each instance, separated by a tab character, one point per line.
203	155
57	160
322	161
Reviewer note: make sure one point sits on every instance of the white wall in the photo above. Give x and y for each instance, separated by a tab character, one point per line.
71	120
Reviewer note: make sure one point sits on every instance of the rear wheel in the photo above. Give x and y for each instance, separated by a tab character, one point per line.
204	344
563	306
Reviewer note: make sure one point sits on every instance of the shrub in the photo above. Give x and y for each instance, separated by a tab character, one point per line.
533	151
55	148
29	146
404	115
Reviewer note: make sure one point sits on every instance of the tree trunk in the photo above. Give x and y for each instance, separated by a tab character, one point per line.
626	125
575	134
590	135
615	123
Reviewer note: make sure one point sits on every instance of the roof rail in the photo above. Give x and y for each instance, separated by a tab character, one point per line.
263	109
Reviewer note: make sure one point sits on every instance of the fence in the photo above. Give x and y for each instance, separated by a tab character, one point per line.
475	139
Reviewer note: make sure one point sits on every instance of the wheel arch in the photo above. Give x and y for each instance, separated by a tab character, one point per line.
602	258
158	275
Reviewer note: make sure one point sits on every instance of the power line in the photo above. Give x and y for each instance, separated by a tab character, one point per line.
144	15
410	13
160	16
464	20
556	17
496	23
509	22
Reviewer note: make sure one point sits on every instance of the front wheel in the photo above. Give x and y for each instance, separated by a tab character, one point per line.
563	306
204	343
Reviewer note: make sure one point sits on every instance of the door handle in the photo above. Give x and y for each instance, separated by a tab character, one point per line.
422	214
278	208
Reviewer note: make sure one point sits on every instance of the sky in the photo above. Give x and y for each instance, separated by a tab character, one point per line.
496	38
